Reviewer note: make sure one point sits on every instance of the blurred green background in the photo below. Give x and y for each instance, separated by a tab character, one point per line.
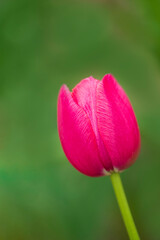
44	44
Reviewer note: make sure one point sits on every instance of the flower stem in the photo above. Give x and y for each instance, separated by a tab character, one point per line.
124	207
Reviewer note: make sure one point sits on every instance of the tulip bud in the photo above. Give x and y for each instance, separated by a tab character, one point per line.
97	126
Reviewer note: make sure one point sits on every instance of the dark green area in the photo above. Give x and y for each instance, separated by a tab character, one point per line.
44	44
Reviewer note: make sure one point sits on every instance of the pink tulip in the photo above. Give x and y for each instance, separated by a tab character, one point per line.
97	126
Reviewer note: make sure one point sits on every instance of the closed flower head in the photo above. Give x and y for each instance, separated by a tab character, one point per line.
97	126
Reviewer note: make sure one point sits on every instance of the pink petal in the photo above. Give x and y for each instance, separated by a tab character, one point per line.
84	94
117	123
77	136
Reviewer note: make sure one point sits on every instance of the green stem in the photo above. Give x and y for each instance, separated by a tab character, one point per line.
124	208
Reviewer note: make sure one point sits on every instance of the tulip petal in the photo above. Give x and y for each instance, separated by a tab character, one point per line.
84	94
117	123
77	136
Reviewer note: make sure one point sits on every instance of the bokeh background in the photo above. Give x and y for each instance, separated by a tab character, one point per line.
44	44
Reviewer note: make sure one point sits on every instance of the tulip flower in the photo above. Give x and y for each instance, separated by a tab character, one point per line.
98	129
97	126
